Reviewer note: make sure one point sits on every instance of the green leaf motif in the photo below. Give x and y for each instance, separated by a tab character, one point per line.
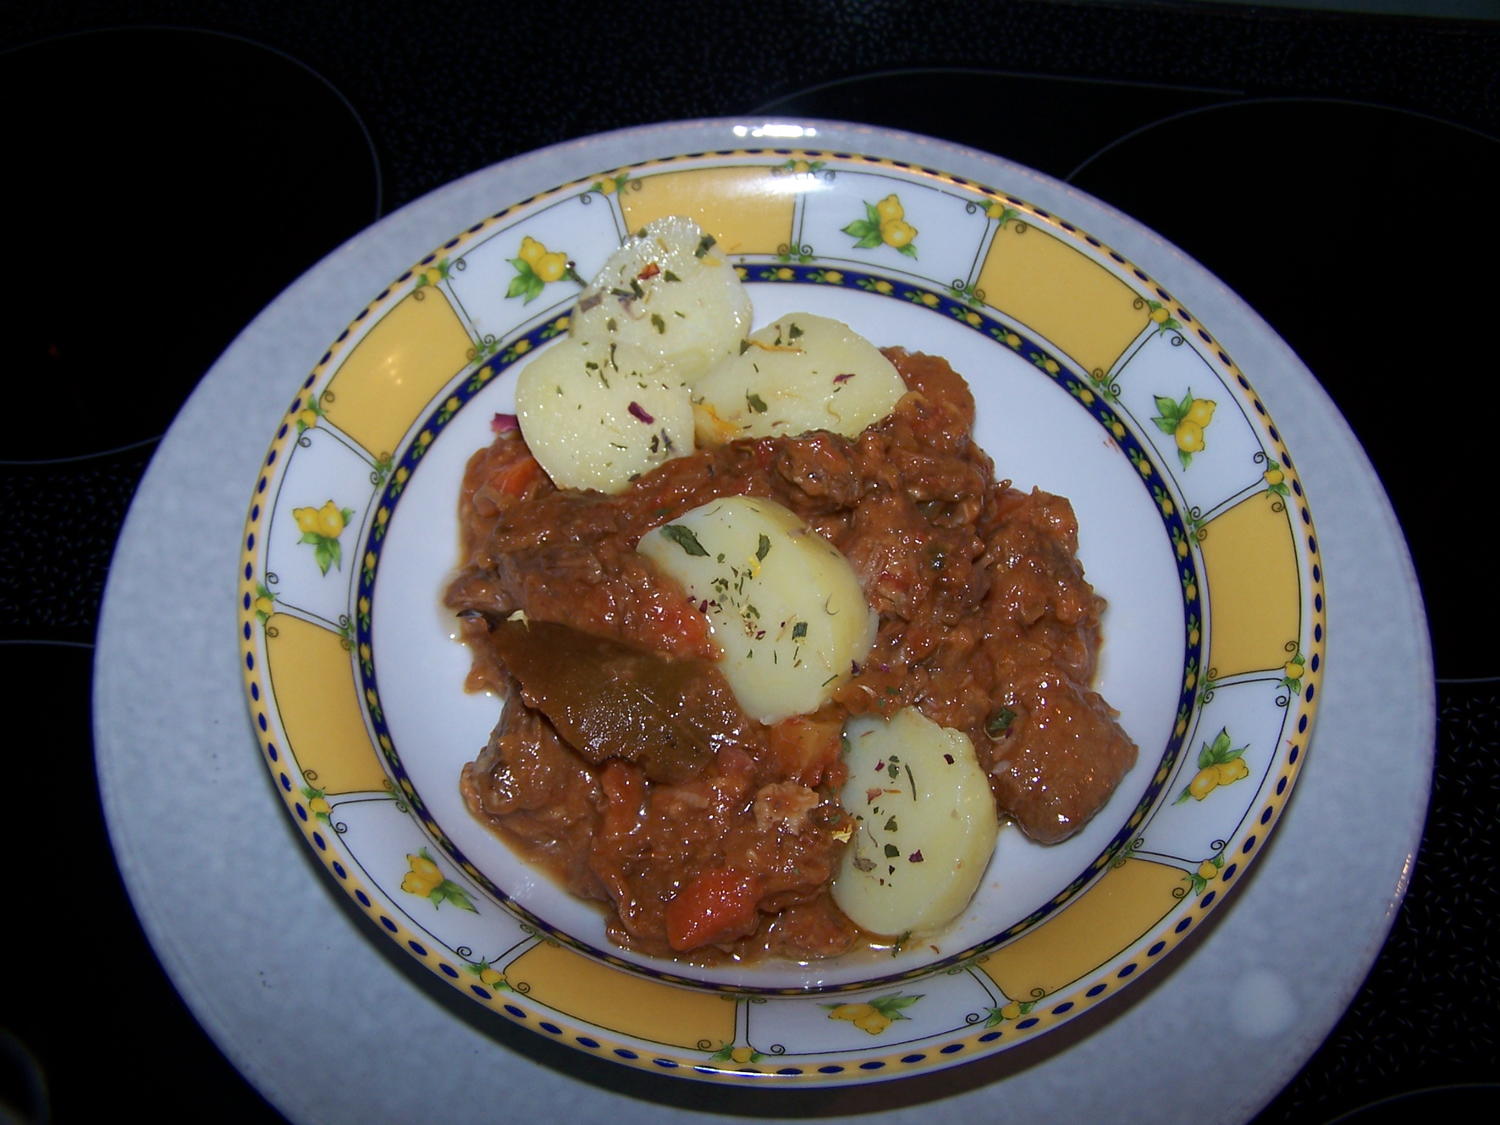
448	891
892	1006
525	284
1171	413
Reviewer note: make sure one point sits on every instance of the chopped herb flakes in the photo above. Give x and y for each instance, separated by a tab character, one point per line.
684	538
999	722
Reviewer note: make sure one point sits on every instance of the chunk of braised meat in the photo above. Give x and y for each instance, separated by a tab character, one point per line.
532	788
1060	757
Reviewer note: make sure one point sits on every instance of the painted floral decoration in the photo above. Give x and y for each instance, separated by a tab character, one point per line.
425	880
1185	419
884	222
876	1015
321	528
1218	764
536	267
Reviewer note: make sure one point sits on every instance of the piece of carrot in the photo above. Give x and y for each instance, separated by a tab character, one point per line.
717	905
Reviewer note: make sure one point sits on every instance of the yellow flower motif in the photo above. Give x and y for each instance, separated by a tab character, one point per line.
1189	436
330	521
423	878
535	267
531	251
897	232
1204	782
873	1017
1232	770
866	1017
551	267
307	520
1219	763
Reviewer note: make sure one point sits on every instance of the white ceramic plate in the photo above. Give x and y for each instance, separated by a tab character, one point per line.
1086	373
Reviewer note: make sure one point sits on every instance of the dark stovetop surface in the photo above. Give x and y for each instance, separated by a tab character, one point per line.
138	135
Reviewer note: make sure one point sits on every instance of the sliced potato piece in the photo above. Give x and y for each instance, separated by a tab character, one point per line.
798	374
785	605
925	824
665	299
591	424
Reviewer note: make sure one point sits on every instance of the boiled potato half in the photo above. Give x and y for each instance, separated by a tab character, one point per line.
797	374
592	425
786	607
925	824
665	299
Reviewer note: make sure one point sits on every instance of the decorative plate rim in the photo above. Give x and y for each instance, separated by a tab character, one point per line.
880	1066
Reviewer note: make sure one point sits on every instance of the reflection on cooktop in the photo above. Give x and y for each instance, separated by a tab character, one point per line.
1357	231
118	142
